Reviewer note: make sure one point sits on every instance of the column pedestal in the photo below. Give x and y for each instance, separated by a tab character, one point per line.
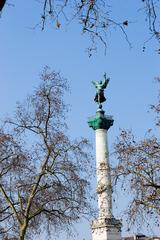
106	229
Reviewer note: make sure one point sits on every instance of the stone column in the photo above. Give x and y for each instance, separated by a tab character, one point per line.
104	188
105	227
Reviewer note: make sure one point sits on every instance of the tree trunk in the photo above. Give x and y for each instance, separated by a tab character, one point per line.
21	238
23	232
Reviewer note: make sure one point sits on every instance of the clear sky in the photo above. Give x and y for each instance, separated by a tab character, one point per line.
24	52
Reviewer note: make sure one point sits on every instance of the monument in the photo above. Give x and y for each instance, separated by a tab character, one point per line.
105	227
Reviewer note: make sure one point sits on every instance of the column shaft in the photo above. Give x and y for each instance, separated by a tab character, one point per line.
104	188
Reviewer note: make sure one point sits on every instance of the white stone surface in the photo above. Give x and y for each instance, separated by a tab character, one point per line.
104	188
106	234
105	227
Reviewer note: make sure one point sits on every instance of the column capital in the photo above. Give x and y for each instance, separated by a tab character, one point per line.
100	121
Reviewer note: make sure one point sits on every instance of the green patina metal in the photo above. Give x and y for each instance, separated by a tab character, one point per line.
100	121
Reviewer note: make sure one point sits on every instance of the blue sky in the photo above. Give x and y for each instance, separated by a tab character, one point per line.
132	88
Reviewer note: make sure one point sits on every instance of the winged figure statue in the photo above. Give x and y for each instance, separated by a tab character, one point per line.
100	86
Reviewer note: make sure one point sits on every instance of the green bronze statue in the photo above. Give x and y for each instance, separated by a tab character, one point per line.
100	86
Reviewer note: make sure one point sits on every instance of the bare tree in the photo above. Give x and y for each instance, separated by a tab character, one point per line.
97	19
42	172
138	171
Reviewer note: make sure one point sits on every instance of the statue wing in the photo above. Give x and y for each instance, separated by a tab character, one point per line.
105	83
94	83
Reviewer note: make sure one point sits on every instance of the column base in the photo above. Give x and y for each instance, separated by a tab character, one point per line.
106	229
